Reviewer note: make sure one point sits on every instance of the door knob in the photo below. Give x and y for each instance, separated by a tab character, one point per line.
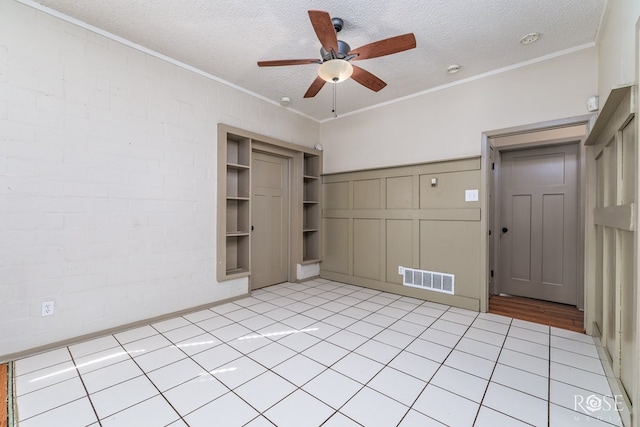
505	229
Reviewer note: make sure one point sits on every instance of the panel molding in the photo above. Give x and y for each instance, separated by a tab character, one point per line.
453	300
611	252
622	217
395	206
466	164
471	214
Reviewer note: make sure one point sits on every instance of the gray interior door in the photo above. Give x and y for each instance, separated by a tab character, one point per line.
269	219
539	223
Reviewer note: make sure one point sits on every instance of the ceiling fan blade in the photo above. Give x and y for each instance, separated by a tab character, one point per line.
367	79
314	88
323	27
280	62
385	47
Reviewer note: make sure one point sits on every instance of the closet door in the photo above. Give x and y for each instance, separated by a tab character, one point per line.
270	220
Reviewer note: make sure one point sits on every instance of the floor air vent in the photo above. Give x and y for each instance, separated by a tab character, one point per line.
431	280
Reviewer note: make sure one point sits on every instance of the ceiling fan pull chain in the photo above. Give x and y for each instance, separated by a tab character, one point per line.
334	111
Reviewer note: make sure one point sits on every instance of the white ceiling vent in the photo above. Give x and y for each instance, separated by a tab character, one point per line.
430	280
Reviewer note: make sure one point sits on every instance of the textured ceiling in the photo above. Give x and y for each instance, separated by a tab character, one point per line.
226	38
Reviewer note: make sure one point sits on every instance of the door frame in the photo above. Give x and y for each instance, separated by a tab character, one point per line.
524	137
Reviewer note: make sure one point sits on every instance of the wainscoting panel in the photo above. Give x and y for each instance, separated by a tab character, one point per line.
416	216
366	248
400	247
336	245
336	195
366	194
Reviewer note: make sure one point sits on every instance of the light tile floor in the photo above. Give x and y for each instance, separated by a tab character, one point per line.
321	353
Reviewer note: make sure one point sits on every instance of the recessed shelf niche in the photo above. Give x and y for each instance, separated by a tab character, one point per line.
311	209
235	148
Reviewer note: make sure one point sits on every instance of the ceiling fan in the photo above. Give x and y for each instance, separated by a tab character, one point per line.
335	65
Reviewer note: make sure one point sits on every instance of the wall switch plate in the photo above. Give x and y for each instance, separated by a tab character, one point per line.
47	308
400	270
470	195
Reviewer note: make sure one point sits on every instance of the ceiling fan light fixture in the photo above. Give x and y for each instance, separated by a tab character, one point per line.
335	70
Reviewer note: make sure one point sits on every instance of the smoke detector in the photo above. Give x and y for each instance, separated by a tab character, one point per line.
452	69
530	38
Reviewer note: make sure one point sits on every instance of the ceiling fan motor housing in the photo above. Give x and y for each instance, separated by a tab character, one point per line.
338	23
342	53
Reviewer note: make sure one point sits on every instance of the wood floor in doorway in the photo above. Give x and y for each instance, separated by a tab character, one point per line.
3	394
533	310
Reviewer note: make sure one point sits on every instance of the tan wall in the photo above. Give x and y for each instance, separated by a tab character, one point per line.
616	46
447	123
377	220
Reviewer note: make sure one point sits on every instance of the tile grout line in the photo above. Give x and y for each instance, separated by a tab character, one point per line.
491	376
260	413
84	386
145	374
343	329
387	365
335	297
436	371
335	411
443	364
329	367
229	389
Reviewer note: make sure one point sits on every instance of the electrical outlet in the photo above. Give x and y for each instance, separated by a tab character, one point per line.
47	308
400	270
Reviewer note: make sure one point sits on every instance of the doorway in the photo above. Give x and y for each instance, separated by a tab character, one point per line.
269	219
539	223
518	145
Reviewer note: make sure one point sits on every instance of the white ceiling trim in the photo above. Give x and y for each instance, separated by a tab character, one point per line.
143	49
468	79
605	12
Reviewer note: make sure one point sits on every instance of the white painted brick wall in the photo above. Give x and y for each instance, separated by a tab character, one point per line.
108	179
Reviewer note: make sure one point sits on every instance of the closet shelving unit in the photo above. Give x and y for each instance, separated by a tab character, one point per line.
235	148
311	210
237	207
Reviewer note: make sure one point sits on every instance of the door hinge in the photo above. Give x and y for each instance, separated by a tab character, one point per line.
491	273
493	166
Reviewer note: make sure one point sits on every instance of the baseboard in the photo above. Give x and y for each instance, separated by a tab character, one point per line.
394	288
617	389
308	279
98	334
